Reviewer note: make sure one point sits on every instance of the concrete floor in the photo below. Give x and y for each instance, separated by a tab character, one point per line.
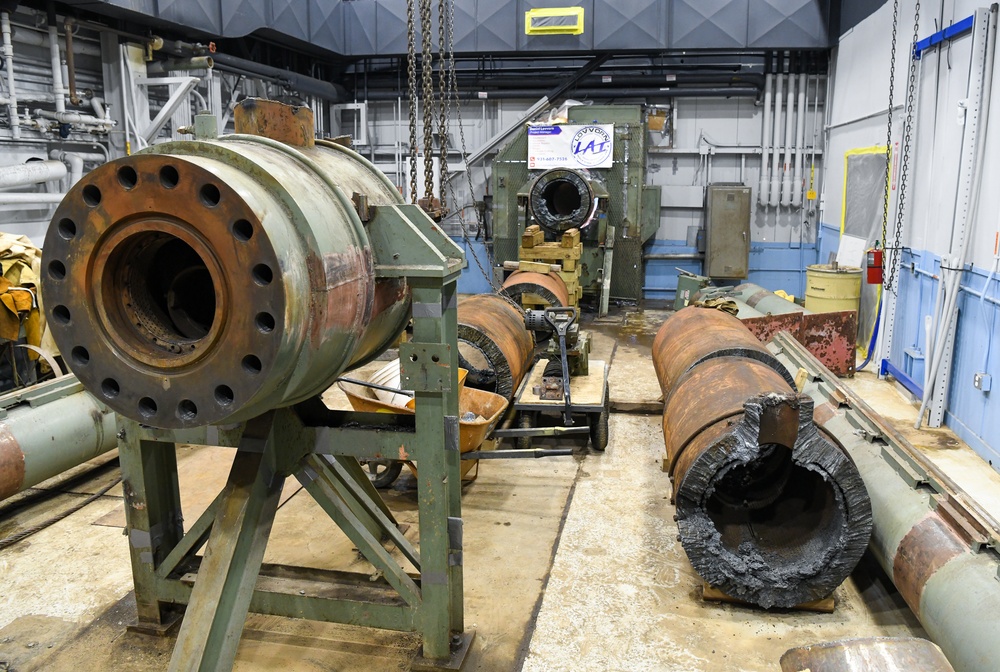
571	563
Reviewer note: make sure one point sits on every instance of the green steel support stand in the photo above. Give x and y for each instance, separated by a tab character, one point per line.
320	448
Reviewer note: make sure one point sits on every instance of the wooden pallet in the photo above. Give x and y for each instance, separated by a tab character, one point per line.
712	594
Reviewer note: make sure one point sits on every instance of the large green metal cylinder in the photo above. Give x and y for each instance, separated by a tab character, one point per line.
47	429
208	281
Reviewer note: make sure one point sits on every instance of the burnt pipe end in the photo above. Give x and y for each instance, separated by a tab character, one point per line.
770	511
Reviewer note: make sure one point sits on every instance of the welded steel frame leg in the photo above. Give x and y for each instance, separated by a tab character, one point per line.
154	522
442	615
220	599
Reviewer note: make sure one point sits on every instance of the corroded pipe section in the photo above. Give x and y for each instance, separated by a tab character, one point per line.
207	281
868	654
47	429
493	344
547	286
770	510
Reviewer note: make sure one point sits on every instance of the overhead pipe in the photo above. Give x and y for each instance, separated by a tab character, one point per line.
8	57
304	84
70	62
29	36
762	195
180	65
663	92
31	198
800	139
76	118
775	177
75	161
770	509
49	428
786	169
32	172
58	92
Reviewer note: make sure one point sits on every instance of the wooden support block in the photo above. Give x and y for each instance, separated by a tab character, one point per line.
570	238
550	252
570	265
532	236
542	267
713	594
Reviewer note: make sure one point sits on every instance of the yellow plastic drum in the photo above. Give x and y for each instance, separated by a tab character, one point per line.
830	288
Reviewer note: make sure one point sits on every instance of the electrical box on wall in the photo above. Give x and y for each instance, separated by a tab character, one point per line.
727	225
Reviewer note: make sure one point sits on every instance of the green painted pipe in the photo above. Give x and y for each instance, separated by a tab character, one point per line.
764	300
49	428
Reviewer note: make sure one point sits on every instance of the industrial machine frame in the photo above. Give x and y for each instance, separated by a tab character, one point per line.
320	448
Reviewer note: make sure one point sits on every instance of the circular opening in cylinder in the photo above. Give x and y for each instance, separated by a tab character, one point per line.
224	395
187	410
159	293
110	388
147	407
782	509
91	195
482	374
561	198
57	270
61	315
169	177
67	228
127	177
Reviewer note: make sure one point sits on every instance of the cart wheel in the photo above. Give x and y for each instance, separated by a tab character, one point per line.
525	421
383	473
599	425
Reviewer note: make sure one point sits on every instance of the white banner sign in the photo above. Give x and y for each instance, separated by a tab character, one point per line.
570	146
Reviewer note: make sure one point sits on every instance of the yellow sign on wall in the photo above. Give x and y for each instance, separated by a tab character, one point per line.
554	21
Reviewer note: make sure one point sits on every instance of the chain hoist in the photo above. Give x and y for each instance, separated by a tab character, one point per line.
443	103
426	64
893	248
411	81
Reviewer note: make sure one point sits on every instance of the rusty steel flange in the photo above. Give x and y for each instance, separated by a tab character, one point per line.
868	654
493	344
205	282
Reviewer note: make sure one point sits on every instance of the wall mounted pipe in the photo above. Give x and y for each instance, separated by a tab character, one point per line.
32	198
180	65
58	92
75	118
769	509
800	140
49	428
939	547
70	62
775	177
32	172
493	344
762	194
8	57
618	92
304	84
786	167
29	36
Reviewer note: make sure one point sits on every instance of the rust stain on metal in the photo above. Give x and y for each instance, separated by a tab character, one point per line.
492	329
926	548
548	286
11	463
290	124
823	413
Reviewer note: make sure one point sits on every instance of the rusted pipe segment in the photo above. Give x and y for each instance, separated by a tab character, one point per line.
869	654
205	282
549	287
493	344
765	300
694	335
769	510
49	428
560	199
931	538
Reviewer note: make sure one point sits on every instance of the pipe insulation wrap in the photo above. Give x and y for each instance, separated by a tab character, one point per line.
766	141
32	172
775	189
39	442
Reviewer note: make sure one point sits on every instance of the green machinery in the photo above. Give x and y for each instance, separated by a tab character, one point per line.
208	291
624	213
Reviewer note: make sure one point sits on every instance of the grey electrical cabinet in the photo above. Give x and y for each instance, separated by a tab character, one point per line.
727	230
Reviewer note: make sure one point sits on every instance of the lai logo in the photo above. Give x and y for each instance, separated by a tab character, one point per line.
591	146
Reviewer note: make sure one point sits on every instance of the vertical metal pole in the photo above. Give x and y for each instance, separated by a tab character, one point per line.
439	481
152	513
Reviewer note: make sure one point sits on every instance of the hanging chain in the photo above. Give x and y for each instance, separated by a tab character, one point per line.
442	102
894	250
426	62
888	125
453	98
411	81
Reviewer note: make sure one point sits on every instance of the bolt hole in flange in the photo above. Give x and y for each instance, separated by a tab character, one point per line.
262	275
147	407
67	228
61	315
265	322
224	395
187	410
127	177
169	177
91	195
57	270
242	230
110	388
210	195
252	365
80	356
